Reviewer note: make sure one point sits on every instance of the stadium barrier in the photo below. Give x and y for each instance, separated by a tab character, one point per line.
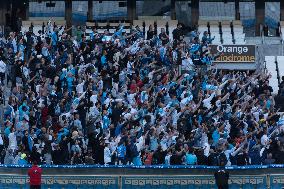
158	177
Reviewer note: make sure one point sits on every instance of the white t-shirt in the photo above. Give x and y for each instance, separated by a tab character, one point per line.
1	140
207	101
107	155
131	98
12	141
264	139
80	88
94	99
2	66
187	64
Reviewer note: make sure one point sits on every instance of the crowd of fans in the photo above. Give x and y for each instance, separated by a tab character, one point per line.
133	100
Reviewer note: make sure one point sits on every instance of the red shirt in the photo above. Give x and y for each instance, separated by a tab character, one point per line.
35	175
133	88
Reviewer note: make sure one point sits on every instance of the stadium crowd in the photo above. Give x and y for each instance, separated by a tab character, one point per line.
126	99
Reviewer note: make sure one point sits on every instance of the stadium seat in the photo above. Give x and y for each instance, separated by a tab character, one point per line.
226	28
227	38
238	29
138	22
214	29
239	38
202	29
217	39
171	29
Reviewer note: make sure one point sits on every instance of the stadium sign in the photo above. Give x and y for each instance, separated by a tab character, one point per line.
234	53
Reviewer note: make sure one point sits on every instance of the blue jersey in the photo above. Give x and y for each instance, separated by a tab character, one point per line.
54	38
121	150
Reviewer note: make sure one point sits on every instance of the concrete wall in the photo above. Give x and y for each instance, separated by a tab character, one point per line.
260	177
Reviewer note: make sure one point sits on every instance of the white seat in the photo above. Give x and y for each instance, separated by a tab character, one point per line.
226	29
90	24
88	31
127	30
171	29
237	22
101	30
137	22
240	42
216	34
173	23
102	24
238	30
226	22
227	41
239	35
114	24
227	38
25	29
162	23
202	29
212	23
227	34
111	30
36	29
214	29
202	22
216	41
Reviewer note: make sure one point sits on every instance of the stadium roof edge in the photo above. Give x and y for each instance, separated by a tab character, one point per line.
159	0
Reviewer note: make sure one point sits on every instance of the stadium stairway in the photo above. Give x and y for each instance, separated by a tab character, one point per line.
280	61
271	68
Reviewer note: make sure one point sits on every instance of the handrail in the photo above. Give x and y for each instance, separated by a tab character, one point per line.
281	37
278	75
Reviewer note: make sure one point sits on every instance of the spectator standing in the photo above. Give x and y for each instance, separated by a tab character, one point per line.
35	176
222	177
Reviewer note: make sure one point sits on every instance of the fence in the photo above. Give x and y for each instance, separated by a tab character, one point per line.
154	177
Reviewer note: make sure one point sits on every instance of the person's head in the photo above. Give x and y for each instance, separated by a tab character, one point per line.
13	129
43	130
269	156
77	116
222	163
106	32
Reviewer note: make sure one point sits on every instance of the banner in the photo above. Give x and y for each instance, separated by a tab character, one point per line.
234	53
62	182
137	182
194	181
